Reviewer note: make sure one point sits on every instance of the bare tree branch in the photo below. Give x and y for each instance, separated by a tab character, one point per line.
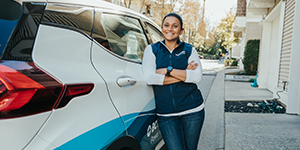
143	4
129	4
125	4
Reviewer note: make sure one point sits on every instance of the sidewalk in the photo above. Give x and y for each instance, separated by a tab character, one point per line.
245	131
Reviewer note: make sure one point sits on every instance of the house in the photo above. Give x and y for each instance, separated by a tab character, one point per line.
279	63
247	27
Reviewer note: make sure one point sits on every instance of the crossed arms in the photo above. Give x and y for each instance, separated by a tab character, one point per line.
192	74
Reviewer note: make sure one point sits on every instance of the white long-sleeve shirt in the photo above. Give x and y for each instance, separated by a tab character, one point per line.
152	78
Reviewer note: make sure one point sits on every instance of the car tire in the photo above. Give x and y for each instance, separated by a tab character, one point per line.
125	143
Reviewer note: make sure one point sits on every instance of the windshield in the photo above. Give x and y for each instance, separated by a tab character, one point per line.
10	12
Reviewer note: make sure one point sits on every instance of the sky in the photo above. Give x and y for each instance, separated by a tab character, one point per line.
215	10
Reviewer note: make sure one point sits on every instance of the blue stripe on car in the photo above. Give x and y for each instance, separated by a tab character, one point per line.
99	137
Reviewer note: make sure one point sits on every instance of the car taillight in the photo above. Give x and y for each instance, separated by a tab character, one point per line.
73	91
16	89
28	90
15	99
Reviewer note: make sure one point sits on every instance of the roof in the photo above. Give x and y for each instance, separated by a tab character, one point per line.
98	4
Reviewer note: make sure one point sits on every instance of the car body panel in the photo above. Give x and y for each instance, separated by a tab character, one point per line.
71	64
19	131
66	57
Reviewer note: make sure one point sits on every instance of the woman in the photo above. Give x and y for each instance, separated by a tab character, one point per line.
173	67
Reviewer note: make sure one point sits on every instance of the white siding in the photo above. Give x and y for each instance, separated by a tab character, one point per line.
293	105
287	39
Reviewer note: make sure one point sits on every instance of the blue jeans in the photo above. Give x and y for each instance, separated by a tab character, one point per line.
181	132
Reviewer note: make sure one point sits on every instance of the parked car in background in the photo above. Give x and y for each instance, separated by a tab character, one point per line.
201	57
71	78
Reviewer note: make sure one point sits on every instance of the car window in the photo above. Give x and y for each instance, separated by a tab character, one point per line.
19	29
155	34
125	36
72	17
9	17
98	32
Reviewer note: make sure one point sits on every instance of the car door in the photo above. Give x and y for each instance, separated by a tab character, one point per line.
84	117
117	57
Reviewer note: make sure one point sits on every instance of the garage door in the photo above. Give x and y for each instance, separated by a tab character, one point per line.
273	56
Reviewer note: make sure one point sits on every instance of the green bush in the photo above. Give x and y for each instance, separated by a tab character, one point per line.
251	56
234	63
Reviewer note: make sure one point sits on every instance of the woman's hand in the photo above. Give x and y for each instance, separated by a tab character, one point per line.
168	79
162	71
192	66
177	75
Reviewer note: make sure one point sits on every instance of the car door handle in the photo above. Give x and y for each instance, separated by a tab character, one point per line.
126	81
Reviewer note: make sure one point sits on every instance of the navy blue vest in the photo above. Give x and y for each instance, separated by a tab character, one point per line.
180	96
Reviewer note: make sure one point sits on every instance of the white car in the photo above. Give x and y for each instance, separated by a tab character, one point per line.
71	77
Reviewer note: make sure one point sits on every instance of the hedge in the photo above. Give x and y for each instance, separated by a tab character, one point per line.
251	53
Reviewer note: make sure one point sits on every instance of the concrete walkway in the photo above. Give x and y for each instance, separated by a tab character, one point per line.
245	131
212	135
239	91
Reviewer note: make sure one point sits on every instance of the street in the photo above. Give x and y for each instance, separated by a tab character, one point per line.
210	68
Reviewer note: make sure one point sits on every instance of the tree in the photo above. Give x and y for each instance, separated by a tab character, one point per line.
224	32
209	42
190	13
202	25
161	8
200	37
127	5
198	41
142	5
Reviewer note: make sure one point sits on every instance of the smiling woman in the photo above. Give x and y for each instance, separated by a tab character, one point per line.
173	68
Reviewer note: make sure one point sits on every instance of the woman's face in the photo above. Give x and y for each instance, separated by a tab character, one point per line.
171	28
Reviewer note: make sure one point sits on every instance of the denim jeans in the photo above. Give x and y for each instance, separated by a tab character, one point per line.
181	132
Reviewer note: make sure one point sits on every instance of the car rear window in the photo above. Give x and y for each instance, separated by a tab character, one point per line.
10	12
19	23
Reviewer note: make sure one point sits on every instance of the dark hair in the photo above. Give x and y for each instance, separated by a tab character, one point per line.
173	15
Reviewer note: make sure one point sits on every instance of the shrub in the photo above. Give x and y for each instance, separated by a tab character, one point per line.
234	63
251	56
